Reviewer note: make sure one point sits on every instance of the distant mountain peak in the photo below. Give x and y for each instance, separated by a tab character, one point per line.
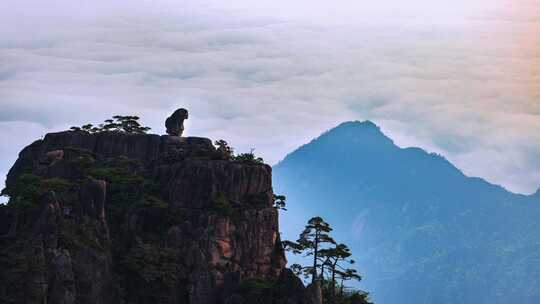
347	138
415	221
353	132
361	124
366	126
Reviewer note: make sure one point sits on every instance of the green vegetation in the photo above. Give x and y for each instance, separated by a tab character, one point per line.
334	258
228	152
118	123
152	263
310	242
79	159
248	157
222	206
255	286
80	234
139	230
224	148
330	262
134	202
30	188
14	263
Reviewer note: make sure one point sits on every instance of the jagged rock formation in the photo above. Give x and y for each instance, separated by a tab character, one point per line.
135	218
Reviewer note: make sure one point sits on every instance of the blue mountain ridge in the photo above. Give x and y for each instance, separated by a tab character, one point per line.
421	230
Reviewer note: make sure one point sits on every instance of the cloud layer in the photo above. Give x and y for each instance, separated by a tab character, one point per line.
462	82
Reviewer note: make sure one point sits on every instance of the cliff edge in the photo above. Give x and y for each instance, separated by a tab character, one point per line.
113	217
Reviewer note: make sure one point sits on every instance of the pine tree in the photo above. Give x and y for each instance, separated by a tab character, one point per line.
126	124
331	263
310	242
347	275
334	258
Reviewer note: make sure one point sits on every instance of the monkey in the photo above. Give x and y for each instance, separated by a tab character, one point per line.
175	122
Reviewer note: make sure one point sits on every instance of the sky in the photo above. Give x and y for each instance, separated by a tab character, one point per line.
459	78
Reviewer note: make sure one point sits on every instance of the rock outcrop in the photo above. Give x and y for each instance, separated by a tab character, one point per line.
135	218
175	122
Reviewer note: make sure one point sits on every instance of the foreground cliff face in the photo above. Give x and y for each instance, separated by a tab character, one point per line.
126	218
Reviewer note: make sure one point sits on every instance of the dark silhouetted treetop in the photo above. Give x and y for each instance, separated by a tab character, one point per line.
334	259
228	153
331	263
224	148
118	123
309	243
248	157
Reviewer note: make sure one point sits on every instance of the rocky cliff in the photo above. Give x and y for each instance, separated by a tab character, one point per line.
134	218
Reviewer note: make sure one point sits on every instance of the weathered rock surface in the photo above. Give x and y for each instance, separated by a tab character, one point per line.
131	218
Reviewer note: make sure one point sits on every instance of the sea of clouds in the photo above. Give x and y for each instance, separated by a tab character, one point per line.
461	80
